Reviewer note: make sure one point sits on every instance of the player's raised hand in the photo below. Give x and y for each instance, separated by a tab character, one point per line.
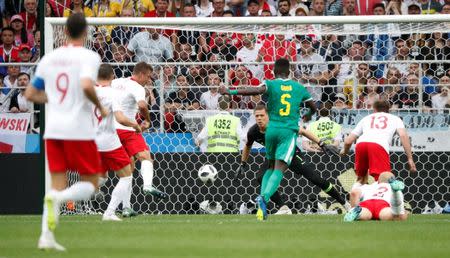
145	125
412	166
241	170
329	149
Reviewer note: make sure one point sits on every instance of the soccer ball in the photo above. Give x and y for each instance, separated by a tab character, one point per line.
208	174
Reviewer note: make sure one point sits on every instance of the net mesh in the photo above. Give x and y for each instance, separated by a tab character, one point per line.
347	66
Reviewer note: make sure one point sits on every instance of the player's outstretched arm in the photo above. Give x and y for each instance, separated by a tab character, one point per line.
312	110
348	142
404	138
123	120
245	91
328	149
88	88
143	110
243	166
35	95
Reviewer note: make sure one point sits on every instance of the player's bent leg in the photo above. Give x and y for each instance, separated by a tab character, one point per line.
386	214
365	214
120	194
355	195
147	175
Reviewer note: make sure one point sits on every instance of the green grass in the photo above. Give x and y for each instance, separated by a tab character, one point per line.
230	236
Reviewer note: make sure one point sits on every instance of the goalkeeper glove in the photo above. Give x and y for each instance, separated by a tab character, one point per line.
241	170
328	148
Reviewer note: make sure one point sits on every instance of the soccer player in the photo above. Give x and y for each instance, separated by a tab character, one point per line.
65	80
256	133
133	100
113	155
284	99
382	200
373	134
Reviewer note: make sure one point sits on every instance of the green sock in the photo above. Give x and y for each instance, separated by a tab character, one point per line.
265	179
273	184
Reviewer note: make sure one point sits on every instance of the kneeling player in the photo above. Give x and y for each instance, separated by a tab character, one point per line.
382	200
112	153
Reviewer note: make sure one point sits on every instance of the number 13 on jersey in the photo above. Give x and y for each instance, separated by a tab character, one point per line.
284	100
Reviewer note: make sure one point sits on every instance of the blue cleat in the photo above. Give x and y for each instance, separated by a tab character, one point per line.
396	185
353	214
261	214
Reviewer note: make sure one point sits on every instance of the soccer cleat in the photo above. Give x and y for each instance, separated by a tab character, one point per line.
155	192
110	217
128	212
261	214
353	214
284	210
396	185
47	242
347	207
52	211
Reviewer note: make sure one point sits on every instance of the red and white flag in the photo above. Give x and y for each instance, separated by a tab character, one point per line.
13	132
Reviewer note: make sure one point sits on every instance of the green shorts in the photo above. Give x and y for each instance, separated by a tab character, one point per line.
280	144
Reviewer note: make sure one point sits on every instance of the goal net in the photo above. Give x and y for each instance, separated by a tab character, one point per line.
345	63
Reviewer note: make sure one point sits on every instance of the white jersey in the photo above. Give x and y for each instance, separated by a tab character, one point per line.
376	191
379	128
69	112
107	138
130	93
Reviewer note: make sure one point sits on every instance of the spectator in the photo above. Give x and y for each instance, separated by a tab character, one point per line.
150	46
21	36
49	12
356	52
392	88
19	104
185	56
361	76
10	81
195	77
36	49
140	7
194	39
300	11
237	7
168	81
266	13
284	6
409	98
349	7
243	77
273	49
330	50
218	8
122	34
119	55
365	7
101	44
430	6
333	7
30	16
249	53
77	6
223	50
25	57
252	8
413	8
106	8
440	100
401	54
312	68
369	95
437	48
296	5
204	8
59	7
317	8
445	9
161	11
394	7
340	102
228	13
265	9
8	51
210	99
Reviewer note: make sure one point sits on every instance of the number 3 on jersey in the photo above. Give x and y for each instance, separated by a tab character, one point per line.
287	110
62	85
380	123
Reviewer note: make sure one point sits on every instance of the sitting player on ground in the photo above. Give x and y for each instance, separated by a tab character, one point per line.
284	99
256	133
112	154
374	134
382	200
65	80
132	94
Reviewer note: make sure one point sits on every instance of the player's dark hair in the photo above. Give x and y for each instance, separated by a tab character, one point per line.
76	25
282	68
381	106
260	107
22	73
105	72
142	67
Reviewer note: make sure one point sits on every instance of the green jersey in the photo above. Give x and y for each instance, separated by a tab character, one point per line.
284	99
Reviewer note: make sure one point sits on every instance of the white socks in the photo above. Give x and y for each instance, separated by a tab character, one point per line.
119	194
126	201
77	192
147	172
397	206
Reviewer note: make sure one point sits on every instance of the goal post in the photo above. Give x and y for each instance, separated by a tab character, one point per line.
347	61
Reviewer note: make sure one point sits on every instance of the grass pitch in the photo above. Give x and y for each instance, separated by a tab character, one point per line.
229	236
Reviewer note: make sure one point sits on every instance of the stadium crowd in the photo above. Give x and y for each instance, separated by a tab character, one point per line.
410	85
